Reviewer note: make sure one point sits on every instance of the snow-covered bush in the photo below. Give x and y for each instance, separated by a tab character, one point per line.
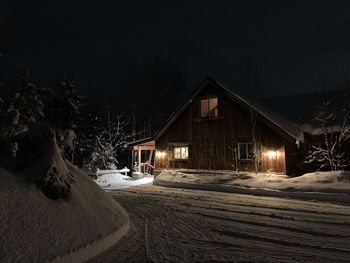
41	161
56	179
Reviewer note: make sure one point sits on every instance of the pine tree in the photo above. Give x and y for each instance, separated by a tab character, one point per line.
66	106
19	113
64	115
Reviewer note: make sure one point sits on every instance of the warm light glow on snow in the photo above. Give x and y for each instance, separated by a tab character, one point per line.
160	154
272	154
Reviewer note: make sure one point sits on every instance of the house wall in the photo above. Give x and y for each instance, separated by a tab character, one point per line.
221	135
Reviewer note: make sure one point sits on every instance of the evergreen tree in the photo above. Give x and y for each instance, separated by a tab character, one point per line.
19	113
66	106
36	131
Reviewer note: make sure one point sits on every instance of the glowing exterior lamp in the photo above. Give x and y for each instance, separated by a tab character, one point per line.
160	155
272	154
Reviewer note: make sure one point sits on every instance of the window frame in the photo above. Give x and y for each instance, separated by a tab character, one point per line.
207	100
246	151
256	156
181	147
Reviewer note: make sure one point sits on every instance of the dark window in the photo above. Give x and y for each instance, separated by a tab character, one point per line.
245	151
209	108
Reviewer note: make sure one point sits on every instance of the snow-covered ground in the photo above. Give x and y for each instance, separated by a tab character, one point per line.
34	228
181	225
116	181
329	186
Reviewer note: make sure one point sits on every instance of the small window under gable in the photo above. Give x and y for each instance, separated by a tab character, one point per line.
209	108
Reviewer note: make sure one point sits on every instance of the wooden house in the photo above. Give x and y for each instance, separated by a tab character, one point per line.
218	129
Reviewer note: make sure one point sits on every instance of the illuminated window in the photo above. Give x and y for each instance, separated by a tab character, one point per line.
181	152
272	154
209	108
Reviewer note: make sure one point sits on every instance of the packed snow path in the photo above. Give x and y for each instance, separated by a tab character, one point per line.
176	225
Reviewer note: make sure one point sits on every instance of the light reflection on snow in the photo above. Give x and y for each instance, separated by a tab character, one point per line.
116	181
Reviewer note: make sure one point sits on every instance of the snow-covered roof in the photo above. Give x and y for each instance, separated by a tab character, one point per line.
307	128
140	141
285	127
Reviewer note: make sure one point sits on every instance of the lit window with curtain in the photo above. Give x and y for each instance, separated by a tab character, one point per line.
209	108
181	152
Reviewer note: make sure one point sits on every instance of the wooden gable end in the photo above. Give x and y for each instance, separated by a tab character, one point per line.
212	140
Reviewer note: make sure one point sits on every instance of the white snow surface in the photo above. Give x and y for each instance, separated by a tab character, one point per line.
331	182
185	225
34	228
116	181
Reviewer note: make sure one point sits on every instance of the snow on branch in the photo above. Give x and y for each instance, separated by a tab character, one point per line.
107	141
330	152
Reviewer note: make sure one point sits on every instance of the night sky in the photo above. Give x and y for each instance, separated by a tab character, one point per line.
291	46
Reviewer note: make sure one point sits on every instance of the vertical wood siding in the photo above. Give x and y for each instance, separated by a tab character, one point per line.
231	127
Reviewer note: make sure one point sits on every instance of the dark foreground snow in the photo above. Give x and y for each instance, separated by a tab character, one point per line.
34	228
176	225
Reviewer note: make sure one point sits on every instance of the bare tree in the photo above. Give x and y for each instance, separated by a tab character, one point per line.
153	91
330	153
234	155
253	87
109	141
256	140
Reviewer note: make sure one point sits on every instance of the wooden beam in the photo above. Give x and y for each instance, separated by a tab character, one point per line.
139	158
144	148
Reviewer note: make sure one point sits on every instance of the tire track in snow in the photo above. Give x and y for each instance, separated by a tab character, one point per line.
200	226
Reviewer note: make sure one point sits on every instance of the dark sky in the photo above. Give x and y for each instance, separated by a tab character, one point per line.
292	46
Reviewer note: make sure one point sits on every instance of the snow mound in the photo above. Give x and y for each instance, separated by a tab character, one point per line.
116	181
35	228
322	182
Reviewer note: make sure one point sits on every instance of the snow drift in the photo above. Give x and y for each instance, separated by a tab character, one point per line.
35	228
330	186
117	181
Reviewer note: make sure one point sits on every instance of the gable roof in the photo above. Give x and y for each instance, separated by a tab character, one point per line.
284	127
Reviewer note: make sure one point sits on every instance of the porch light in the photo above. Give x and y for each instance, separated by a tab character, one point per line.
272	154
160	155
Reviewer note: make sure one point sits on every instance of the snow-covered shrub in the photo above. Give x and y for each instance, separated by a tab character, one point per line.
41	161
54	185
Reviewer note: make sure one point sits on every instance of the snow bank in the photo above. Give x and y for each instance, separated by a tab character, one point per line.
116	181
34	228
330	186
